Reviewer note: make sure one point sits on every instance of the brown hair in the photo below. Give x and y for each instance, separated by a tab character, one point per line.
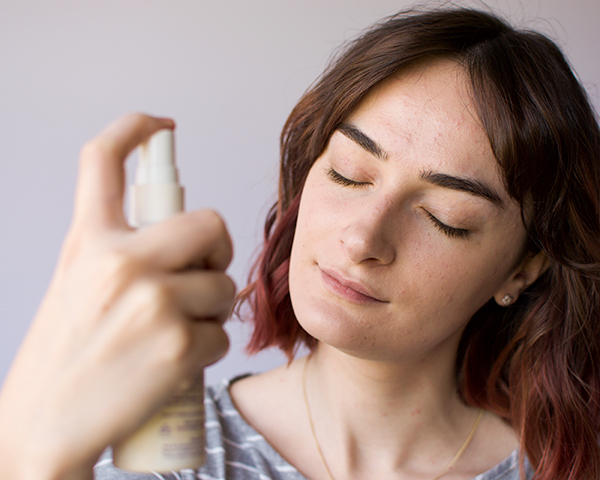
536	363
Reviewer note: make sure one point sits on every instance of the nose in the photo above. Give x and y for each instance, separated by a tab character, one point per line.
368	235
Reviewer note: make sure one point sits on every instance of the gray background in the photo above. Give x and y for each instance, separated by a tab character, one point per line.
228	71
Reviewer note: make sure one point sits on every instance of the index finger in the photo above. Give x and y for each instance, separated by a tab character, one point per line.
194	239
101	178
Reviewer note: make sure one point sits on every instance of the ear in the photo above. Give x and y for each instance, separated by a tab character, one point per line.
527	272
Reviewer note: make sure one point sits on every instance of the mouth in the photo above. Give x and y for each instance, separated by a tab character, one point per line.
350	290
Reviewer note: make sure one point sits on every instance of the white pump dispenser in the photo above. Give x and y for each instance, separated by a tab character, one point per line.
173	439
156	193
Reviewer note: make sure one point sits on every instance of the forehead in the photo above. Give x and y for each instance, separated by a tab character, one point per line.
425	113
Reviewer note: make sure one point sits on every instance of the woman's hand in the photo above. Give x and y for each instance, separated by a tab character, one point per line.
127	316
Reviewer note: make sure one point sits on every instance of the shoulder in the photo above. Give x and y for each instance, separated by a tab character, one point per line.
271	398
273	404
234	449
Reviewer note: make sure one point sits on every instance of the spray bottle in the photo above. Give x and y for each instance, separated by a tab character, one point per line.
173	439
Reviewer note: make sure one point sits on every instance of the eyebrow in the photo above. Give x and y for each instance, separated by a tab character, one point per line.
362	140
473	187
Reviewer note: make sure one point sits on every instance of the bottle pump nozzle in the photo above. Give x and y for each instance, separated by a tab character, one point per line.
156	193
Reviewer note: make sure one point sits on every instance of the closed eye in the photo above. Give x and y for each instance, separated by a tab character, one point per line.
452	232
340	179
449	231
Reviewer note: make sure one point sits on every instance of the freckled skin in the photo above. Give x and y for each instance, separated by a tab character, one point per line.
380	235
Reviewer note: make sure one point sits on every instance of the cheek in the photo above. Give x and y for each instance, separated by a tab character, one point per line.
467	278
306	236
318	215
458	274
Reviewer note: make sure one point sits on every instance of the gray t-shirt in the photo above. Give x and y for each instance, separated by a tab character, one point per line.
235	451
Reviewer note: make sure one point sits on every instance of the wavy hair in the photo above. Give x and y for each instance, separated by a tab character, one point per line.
536	363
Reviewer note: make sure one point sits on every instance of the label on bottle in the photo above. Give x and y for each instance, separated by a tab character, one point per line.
172	439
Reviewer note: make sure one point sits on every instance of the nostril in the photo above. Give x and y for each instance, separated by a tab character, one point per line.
361	245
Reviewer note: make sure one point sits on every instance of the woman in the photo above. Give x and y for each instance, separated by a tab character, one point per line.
435	245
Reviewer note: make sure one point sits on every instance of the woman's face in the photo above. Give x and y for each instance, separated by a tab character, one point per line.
404	229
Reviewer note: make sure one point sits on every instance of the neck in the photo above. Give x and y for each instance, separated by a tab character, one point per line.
403	415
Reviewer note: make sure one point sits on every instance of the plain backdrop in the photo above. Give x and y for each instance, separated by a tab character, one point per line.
228	72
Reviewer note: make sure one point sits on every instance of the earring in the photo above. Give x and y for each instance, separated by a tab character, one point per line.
507	300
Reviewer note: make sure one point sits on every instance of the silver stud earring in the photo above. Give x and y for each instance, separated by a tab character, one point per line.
507	300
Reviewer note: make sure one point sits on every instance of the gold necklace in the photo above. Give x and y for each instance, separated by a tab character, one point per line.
312	429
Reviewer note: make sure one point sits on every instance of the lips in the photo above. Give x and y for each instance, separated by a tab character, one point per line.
350	290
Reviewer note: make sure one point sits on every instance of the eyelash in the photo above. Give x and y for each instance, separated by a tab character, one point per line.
449	231
337	178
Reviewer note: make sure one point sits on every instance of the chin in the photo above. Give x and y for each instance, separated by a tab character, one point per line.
349	334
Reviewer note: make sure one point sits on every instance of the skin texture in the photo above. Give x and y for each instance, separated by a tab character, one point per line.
388	265
127	317
380	233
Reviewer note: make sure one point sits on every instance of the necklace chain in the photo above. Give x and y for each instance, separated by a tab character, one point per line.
312	429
